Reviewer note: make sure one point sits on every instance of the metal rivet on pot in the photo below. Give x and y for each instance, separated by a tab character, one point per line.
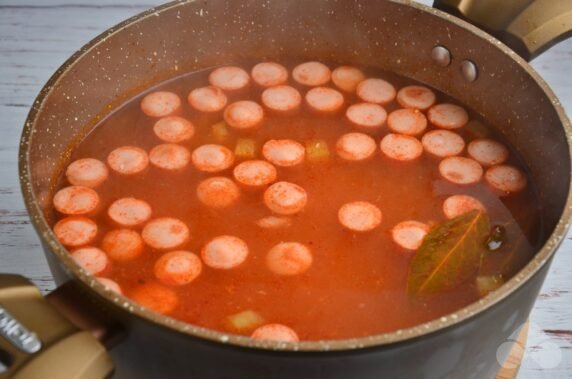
469	70
441	55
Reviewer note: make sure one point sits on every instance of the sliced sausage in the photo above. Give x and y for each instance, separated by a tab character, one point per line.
377	91
281	98
401	147
289	258
165	233
170	156
174	129
275	332
267	74
255	173
111	285
244	115
122	245
76	200
229	78
311	74
87	172
324	99
461	170
75	231
409	234
367	116
207	99
177	268
416	97
91	259
285	198
355	147
212	158
347	78
487	152
457	205
448	116
155	297
410	122
128	160
218	192
506	179
443	143
129	211
160	104
224	252
274	222
284	152
359	216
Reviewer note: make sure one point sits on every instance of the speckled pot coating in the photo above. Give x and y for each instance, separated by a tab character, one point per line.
395	35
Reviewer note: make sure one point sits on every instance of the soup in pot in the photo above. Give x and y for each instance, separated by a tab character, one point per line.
297	201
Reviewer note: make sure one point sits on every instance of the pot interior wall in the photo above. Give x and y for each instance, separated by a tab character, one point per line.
397	37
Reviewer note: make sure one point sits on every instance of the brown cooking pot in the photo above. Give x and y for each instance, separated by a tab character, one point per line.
425	44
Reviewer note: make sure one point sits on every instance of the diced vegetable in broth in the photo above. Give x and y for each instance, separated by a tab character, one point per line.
487	284
245	321
245	148
317	150
291	201
220	131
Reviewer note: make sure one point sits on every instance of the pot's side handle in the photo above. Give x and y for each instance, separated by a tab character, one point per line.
37	342
529	27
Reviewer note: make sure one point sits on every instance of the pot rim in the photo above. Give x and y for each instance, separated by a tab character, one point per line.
541	258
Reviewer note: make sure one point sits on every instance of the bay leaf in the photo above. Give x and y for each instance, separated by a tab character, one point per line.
450	254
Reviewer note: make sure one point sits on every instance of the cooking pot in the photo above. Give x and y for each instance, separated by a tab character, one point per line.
67	335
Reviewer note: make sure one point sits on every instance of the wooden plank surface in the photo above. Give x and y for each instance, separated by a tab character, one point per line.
36	36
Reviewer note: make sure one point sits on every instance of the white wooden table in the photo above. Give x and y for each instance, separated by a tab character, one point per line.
36	36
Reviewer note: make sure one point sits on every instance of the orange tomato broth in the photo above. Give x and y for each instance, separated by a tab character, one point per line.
356	285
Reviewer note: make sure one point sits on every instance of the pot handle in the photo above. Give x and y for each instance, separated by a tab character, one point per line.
38	342
529	27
